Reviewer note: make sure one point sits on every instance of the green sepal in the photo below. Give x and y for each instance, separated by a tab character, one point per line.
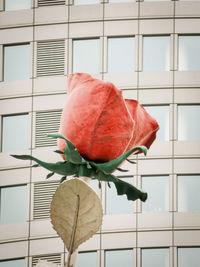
60	167
129	190
123	188
121	170
131	161
71	153
59	152
111	166
63	179
49	175
35	165
83	171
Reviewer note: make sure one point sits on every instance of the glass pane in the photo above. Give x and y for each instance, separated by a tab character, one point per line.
116	204
188	122
157	188
119	258
17	4
15	133
156	53
86	2
188	193
156	0
86	56
13	263
158	257
88	259
121	54
161	114
120	1
189	257
189	52
16	62
13	204
95	185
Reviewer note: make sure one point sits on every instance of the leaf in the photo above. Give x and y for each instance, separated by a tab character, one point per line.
35	165
76	213
60	167
111	166
70	152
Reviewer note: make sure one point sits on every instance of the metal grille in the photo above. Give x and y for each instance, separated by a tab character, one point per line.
56	258
43	193
46	123
50	58
50	2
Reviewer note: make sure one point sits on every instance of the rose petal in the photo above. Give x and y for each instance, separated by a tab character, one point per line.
95	119
145	126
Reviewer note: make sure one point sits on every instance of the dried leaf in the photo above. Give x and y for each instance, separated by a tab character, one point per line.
76	213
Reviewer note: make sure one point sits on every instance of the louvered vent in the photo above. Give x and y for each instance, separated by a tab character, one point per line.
56	258
46	123
50	57
50	2
43	193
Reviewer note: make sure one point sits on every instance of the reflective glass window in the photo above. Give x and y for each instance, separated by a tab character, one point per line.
88	259
188	122
119	258
161	114
157	188
156	257
121	54
17	4
118	204
86	2
156	53
13	204
16	62
15	134
120	1
188	193
189	53
13	263
189	257
86	56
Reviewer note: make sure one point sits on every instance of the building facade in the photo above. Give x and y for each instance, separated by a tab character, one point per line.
149	50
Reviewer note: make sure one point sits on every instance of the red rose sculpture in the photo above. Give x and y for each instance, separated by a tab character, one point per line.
100	123
99	130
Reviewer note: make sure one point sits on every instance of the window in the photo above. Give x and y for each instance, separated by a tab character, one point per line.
15	134
13	263
156	53
86	56
156	257
188	122
16	62
120	1
188	193
13	204
189	53
121	54
17	4
86	2
116	204
161	114
119	258
88	259
157	188
189	257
